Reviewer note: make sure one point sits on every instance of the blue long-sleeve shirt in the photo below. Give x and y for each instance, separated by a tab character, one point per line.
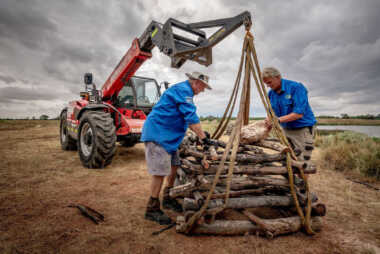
170	117
292	99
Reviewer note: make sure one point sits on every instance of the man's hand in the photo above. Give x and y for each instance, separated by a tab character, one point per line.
207	142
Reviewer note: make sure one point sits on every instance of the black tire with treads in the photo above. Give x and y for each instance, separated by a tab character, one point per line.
67	142
96	139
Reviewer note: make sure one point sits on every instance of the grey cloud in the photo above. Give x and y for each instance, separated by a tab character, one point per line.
7	79
10	93
22	22
332	47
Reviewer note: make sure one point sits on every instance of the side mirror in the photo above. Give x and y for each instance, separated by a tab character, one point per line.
88	78
166	84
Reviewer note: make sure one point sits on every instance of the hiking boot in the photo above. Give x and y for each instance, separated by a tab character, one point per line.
154	213
158	216
171	203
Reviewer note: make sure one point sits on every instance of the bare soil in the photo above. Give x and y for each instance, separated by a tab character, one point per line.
38	181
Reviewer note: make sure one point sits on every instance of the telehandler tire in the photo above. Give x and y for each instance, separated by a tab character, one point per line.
97	139
67	142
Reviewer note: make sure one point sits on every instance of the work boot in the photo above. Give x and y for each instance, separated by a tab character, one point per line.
154	213
171	203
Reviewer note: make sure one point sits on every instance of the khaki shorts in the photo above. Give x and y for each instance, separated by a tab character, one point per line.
302	139
158	160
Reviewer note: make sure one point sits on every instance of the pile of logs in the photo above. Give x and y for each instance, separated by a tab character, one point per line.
259	180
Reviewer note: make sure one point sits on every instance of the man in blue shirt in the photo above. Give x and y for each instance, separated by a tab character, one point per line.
290	104
163	132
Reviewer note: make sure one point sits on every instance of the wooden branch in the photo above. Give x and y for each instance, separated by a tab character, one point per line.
246	169
198	198
280	226
213	154
273	145
246	202
259	158
263	190
242	158
184	189
241	183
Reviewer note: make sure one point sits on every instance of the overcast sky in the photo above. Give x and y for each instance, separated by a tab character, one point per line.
332	47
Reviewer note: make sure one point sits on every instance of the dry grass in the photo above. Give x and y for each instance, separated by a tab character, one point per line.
38	180
351	152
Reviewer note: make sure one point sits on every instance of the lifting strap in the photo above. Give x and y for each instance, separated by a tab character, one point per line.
250	67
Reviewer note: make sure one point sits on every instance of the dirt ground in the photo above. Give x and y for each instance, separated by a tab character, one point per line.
38	181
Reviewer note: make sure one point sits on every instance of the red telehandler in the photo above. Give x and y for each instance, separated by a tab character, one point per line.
116	113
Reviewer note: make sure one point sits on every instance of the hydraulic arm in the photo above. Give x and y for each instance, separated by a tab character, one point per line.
178	40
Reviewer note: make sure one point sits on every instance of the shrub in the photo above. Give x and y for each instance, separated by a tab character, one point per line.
350	152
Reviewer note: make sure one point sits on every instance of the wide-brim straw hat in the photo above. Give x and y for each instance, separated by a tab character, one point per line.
199	76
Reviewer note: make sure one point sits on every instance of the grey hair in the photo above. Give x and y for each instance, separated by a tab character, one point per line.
270	72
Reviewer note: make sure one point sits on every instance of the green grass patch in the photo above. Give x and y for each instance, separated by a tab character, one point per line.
349	151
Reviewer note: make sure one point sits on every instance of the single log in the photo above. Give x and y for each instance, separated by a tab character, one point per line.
245	169
246	202
213	154
181	177
239	183
183	190
198	198
273	145
242	158
235	227
299	164
263	190
250	148
192	152
259	158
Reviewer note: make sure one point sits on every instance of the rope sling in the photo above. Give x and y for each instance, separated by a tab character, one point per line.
250	67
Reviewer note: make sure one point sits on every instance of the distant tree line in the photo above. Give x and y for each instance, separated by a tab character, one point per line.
367	116
346	116
41	117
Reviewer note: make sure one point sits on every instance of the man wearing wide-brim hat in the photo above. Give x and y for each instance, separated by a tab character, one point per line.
163	132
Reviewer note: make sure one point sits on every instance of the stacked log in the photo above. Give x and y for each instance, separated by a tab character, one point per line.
259	180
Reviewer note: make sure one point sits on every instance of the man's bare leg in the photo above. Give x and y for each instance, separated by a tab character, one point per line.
156	185
171	177
171	203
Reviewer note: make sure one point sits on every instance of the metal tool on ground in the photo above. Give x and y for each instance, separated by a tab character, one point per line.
88	212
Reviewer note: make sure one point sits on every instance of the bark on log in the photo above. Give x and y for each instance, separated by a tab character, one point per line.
247	202
245	169
240	183
184	189
213	154
273	145
259	158
264	190
234	227
198	198
242	158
